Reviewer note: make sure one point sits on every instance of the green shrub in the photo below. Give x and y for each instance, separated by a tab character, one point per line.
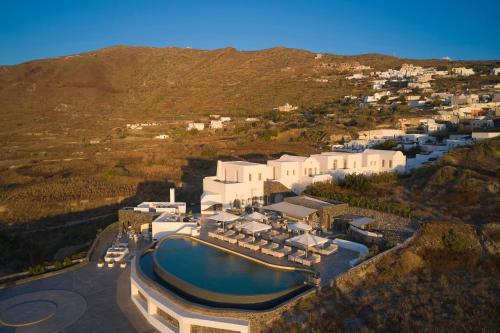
209	152
36	270
267	134
58	265
454	242
118	170
67	262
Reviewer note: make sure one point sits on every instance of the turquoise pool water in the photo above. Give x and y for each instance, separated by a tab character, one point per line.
218	271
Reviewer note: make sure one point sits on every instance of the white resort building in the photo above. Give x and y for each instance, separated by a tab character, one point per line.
238	183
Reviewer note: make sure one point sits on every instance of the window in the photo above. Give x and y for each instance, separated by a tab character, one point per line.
390	163
293	172
274	172
315	171
345	164
305	171
260	176
335	165
383	163
287	172
249	177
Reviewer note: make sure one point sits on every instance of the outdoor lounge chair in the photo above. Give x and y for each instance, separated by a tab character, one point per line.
329	248
310	259
269	249
240	236
253	246
286	250
262	242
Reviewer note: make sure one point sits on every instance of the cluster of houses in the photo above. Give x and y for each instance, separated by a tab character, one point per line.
242	182
411	85
430	148
216	122
409	78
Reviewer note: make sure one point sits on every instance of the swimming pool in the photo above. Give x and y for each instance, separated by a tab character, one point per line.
212	276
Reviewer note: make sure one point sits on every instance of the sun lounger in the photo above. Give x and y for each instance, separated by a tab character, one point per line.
284	251
325	249
310	260
240	236
262	242
269	249
245	241
253	246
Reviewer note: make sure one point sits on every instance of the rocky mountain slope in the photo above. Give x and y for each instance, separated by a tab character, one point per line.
139	82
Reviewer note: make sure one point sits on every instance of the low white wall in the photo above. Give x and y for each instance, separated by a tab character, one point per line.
353	246
162	229
186	318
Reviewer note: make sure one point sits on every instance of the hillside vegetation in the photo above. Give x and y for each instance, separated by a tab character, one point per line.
98	88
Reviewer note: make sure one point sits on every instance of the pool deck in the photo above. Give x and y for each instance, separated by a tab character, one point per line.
330	266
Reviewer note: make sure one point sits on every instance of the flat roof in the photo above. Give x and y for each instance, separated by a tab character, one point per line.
292	158
296	211
167	217
243	163
361	222
313	200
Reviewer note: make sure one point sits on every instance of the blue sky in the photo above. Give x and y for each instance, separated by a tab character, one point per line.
414	29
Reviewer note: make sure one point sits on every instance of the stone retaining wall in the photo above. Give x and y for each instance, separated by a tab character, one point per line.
128	217
355	276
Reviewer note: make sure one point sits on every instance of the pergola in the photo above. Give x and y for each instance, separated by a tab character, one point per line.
307	240
295	211
224	217
254	227
255	216
300	226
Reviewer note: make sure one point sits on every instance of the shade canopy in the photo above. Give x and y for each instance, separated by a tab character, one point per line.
308	240
254	226
296	211
255	216
300	226
224	217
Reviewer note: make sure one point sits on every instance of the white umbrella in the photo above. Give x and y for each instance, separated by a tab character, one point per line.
254	227
224	217
307	240
255	216
300	226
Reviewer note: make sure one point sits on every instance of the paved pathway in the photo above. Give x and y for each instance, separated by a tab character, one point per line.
106	292
103	295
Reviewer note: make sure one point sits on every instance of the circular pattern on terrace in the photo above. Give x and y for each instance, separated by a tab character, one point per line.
28	313
42	311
